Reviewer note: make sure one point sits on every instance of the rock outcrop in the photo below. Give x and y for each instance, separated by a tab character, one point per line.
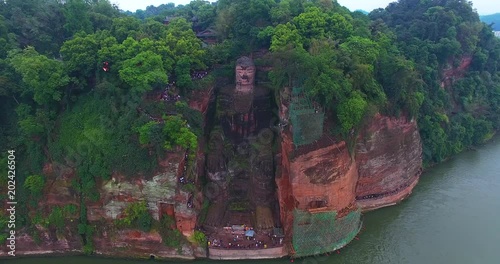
389	158
162	193
324	179
316	190
452	73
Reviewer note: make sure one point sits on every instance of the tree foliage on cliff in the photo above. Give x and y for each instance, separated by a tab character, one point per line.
136	215
430	60
458	58
58	105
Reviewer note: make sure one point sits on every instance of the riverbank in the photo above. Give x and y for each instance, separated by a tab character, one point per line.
235	254
371	204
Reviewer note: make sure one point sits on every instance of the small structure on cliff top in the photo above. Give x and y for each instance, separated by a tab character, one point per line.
307	118
208	36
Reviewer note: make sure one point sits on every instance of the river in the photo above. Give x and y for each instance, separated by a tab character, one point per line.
453	216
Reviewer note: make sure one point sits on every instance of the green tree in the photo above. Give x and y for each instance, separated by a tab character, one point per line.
362	79
200	238
177	133
124	27
136	215
56	218
312	23
146	132
28	123
351	111
285	36
363	50
183	43
4	38
339	27
76	13
242	20
204	12
45	78
102	13
35	185
143	71
287	69
35	23
80	55
282	12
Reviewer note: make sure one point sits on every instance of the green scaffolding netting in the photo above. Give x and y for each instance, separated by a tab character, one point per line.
307	120
317	233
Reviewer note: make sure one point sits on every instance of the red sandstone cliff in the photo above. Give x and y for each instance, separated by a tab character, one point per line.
452	74
389	158
58	192
115	195
320	180
319	177
386	167
162	192
324	174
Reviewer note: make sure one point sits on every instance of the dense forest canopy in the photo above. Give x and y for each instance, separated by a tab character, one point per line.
75	76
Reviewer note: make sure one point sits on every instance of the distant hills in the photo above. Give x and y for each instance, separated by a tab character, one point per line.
494	18
363	11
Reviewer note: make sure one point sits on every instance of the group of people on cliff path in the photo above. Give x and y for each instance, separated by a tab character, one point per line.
167	97
198	75
236	245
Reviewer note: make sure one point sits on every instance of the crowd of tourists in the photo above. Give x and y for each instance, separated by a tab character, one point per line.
198	75
243	239
167	96
184	180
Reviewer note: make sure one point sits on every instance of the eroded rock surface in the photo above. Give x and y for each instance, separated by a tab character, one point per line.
389	157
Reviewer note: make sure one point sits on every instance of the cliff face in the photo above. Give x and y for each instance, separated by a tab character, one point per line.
119	192
47	240
320	181
389	158
317	185
163	195
162	192
316	190
324	174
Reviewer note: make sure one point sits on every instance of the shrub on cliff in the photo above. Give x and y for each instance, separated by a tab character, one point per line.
136	216
170	235
172	238
173	132
144	221
199	238
34	184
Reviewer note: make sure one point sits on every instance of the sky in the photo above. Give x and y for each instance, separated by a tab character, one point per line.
484	7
